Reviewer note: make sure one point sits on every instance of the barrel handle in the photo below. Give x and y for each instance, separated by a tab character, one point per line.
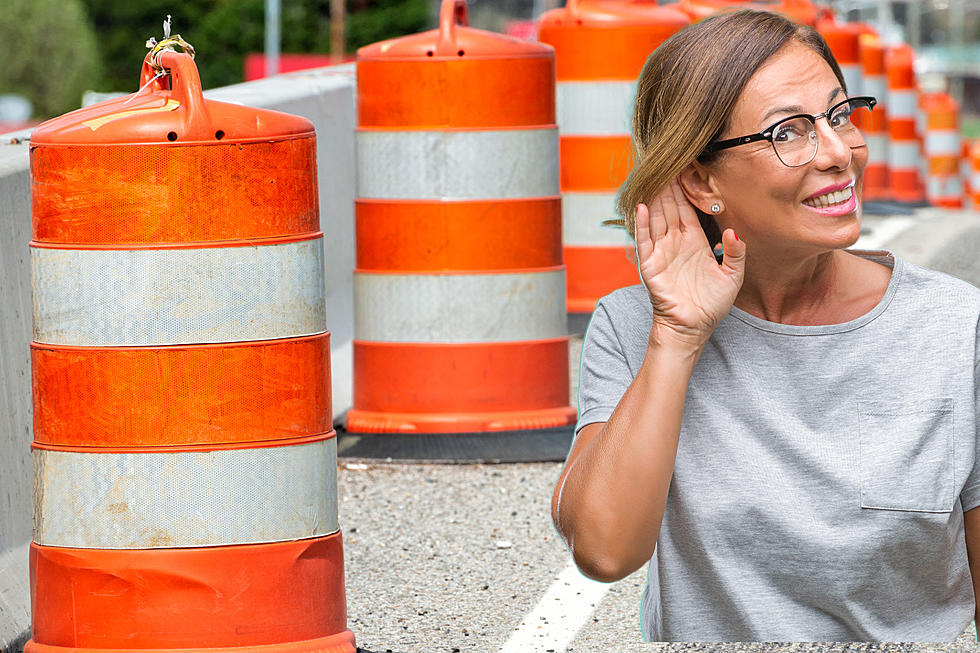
451	13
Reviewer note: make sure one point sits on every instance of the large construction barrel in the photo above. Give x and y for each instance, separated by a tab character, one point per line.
185	460
904	140
802	11
600	48
459	288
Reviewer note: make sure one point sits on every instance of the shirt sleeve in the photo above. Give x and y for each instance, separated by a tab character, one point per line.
970	495
604	373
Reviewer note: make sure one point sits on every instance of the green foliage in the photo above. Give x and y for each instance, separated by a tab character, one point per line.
224	31
49	54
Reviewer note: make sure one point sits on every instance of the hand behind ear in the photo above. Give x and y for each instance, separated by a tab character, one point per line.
690	292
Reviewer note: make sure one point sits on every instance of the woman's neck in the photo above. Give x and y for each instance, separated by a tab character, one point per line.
823	288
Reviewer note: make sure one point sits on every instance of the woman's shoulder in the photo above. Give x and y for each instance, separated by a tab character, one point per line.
937	288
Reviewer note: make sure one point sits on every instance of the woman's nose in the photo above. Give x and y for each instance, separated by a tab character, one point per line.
832	151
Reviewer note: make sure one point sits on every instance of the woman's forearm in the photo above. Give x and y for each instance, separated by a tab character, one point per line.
610	501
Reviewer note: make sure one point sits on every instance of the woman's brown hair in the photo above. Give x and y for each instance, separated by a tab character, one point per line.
686	94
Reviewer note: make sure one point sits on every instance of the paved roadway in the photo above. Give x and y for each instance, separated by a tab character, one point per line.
447	558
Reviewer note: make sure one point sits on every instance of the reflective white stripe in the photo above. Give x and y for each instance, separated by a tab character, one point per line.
901	105
582	215
877	147
853	78
975	181
943	143
943	187
174	296
447	308
457	164
902	154
185	499
595	108
876	86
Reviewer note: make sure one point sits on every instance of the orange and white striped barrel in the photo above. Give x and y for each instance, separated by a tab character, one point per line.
904	148
844	41
876	179
943	148
185	460
600	48
459	288
974	159
966	172
801	11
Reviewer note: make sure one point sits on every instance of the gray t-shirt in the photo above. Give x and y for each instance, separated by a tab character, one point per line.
822	472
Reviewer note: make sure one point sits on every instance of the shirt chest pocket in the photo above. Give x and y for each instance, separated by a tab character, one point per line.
906	456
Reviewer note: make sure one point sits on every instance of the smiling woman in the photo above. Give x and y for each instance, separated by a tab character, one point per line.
788	435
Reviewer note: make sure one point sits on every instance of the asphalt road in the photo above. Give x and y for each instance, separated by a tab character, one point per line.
457	557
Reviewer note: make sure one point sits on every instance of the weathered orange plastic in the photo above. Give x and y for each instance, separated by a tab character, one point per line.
429	80
607	39
158	114
802	11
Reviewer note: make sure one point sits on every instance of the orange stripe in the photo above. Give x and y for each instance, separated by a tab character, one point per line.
243	595
906	186
594	272
285	442
253	242
876	185
182	395
616	52
94	194
844	41
493	92
944	166
595	162
460	378
480	235
902	129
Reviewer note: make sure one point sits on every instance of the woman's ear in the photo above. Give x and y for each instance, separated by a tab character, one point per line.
699	187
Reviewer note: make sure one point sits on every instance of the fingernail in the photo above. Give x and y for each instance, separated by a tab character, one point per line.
736	235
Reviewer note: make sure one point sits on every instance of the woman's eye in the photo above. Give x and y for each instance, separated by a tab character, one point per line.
788	133
840	118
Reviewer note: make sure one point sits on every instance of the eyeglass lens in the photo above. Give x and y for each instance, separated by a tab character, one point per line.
795	139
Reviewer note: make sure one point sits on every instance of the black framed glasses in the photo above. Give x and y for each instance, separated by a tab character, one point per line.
794	139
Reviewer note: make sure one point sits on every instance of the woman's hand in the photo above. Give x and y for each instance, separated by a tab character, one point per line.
690	292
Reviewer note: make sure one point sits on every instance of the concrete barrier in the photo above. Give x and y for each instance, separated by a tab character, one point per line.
326	97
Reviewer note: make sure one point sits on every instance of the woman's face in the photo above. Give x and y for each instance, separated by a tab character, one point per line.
774	206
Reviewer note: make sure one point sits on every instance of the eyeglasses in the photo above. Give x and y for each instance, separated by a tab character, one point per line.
794	139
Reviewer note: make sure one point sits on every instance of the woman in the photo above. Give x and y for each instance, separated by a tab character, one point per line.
788	436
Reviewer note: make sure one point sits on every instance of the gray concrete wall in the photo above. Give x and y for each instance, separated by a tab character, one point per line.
326	97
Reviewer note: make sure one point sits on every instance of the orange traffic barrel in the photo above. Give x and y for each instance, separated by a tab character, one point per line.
876	179
185	462
943	149
801	11
966	173
904	149
459	286
600	48
844	41
974	176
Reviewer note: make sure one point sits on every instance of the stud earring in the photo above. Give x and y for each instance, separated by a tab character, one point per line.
716	208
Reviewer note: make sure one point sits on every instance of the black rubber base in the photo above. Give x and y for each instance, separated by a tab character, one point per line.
537	445
891	208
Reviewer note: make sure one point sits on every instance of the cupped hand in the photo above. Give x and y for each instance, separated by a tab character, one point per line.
690	291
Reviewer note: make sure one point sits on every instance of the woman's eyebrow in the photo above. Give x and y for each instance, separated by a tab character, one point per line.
795	108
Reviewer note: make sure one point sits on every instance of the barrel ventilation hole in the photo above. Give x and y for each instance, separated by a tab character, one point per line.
219	134
428	53
460	53
172	136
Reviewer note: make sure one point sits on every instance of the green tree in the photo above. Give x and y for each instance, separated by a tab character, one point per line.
224	31
49	54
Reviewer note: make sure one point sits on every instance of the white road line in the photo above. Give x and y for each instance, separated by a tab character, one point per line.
883	231
559	615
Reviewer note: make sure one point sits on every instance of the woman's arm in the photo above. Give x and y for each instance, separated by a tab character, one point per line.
610	498
971	522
